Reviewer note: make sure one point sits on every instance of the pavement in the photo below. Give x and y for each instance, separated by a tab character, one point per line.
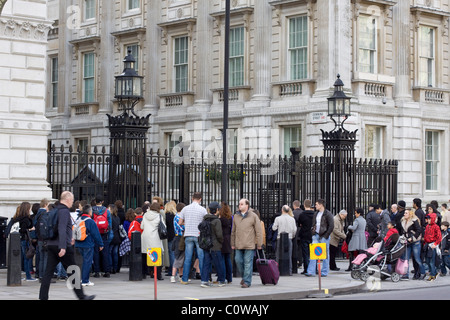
295	287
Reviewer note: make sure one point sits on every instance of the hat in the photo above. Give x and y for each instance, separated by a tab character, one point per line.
214	205
427	216
401	204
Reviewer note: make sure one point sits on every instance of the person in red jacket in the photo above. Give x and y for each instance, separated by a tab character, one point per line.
431	240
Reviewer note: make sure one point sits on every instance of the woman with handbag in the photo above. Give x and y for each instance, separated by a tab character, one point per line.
22	219
150	237
412	231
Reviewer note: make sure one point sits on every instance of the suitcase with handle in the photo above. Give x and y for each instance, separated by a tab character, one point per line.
268	269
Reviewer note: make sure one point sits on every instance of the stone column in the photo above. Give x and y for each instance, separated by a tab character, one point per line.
203	44
23	125
262	50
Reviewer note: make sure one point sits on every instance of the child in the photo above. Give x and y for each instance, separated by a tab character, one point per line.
431	239
445	246
391	237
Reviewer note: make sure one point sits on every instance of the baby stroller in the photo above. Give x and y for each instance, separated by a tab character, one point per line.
379	259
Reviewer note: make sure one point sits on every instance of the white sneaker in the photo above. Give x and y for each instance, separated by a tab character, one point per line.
172	279
90	284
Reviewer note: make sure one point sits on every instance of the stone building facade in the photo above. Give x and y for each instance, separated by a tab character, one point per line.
392	55
24	129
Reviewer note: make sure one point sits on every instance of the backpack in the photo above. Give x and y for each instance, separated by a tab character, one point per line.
47	225
101	220
135	226
205	240
79	230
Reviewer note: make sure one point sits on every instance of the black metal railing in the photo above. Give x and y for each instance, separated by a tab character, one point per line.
268	183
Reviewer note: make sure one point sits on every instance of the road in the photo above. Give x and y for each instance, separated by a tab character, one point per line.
436	293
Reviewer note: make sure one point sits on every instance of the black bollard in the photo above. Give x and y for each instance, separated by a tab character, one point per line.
284	254
135	273
14	261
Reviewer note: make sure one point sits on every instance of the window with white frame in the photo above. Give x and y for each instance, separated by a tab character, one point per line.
427	51
133	4
237	56
298	47
181	63
431	159
54	81
292	139
134	48
89	9
88	77
367	44
374	142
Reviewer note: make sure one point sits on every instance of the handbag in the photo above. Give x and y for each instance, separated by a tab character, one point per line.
402	266
31	251
162	230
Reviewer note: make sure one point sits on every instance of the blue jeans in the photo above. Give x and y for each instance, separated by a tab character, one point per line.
190	243
105	254
227	266
414	248
88	259
114	256
244	264
209	258
445	264
27	263
431	261
325	263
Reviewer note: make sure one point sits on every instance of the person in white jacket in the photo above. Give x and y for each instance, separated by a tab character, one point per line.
285	223
150	236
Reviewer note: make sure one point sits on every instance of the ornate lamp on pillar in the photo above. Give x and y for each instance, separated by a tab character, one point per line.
128	179
339	152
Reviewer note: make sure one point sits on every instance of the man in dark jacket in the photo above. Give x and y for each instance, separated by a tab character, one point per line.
373	220
322	227
305	236
214	255
62	250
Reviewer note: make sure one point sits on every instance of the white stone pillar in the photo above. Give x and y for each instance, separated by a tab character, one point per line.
23	125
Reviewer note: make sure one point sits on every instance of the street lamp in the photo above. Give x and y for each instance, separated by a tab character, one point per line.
128	89
339	104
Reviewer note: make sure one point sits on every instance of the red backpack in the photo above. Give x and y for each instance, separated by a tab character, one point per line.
101	219
135	226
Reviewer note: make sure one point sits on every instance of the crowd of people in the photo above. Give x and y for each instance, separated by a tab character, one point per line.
190	254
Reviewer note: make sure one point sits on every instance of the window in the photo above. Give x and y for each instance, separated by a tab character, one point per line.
135	52
292	139
374	142
181	64
89	9
298	47
88	77
426	56
237	56
133	4
54	81
367	57
432	159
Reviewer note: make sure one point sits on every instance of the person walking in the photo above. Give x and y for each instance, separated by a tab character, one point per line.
226	219
107	235
358	241
305	235
431	240
322	227
412	231
336	236
285	223
190	217
178	244
86	246
62	250
245	233
213	255
150	237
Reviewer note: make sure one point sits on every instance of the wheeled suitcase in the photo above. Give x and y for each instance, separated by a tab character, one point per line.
267	269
